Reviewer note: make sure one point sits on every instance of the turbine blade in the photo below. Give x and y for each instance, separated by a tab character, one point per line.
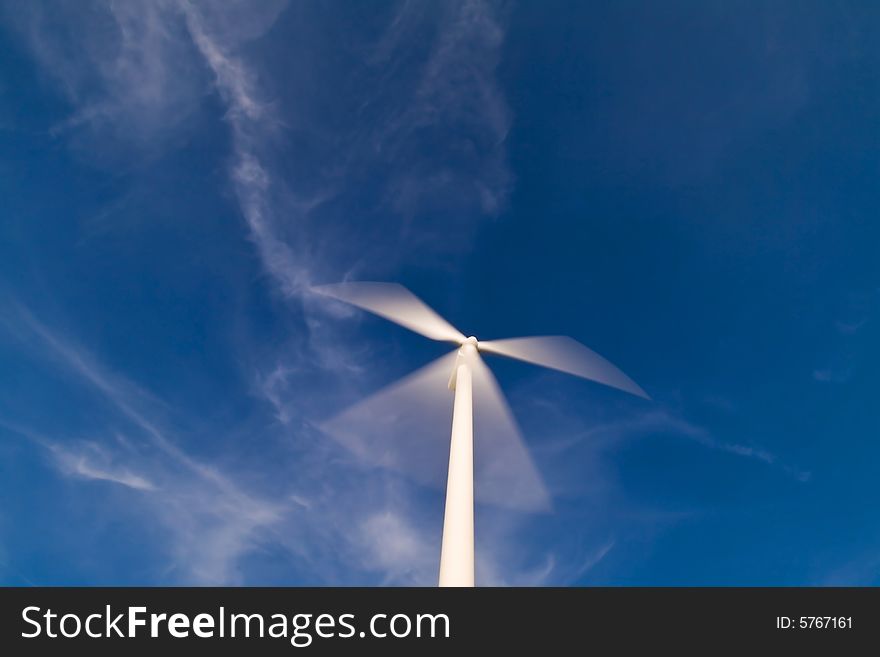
394	302
504	473
566	355
406	427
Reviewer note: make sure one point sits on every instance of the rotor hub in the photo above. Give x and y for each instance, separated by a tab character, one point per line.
471	341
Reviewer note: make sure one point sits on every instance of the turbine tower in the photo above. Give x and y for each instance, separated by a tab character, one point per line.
505	470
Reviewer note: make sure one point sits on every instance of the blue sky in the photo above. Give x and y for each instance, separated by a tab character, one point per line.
689	188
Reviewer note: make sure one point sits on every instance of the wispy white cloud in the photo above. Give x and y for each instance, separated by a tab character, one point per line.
849	327
152	68
122	66
832	374
124	395
394	547
84	459
663	422
499	565
252	121
858	311
272	387
861	569
594	558
9	573
457	106
211	520
89	461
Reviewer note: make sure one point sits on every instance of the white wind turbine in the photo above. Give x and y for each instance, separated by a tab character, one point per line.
415	406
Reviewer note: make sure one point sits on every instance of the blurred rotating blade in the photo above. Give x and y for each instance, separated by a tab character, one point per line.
394	302
566	355
406	428
504	473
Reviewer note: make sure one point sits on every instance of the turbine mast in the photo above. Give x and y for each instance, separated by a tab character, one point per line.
457	551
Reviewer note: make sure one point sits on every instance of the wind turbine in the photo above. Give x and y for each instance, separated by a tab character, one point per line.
506	471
